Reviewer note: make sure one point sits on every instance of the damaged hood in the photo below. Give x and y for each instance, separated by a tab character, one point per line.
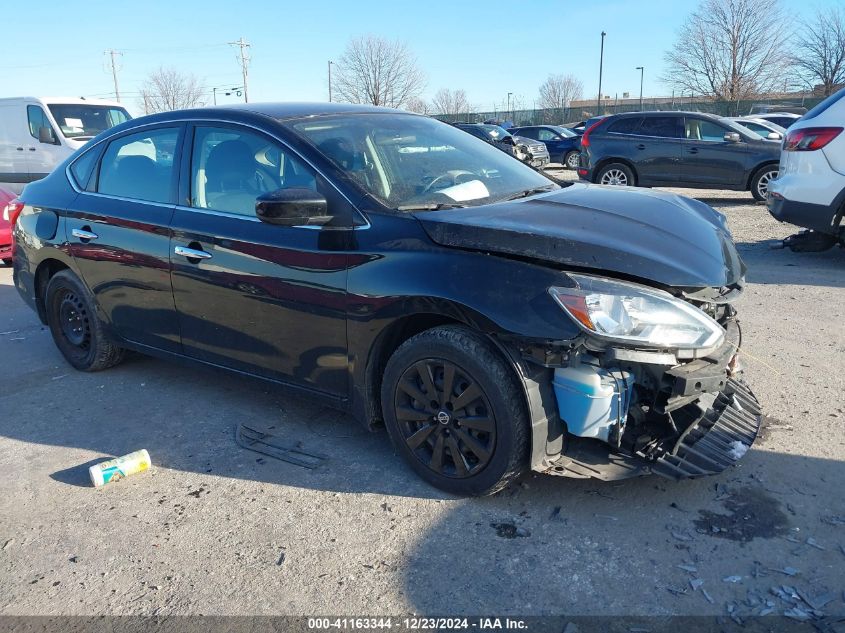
656	236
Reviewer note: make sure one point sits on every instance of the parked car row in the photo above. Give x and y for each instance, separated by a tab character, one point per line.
524	148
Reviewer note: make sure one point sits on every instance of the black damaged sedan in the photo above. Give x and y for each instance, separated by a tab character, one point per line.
406	272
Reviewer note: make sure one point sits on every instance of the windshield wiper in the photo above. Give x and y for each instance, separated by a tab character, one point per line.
530	192
430	206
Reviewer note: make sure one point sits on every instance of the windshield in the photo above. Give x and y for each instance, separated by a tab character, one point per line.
84	121
405	160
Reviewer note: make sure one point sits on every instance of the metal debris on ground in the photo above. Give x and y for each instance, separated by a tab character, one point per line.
789	571
677	591
8	544
605	516
695	583
707	596
833	520
281	558
689	568
813	543
681	536
254	440
733	579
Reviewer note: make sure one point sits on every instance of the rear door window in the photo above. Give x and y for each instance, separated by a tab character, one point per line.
624	126
662	126
140	166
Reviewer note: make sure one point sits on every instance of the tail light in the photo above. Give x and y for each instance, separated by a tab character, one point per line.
809	139
585	138
12	210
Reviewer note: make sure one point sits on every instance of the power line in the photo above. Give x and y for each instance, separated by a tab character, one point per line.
244	59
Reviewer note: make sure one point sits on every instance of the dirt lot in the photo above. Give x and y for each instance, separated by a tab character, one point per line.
215	529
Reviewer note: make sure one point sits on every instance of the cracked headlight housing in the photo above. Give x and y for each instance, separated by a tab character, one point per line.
636	315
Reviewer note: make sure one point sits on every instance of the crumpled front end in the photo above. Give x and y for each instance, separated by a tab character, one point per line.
622	412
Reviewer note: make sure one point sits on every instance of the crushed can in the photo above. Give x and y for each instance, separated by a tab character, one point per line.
118	468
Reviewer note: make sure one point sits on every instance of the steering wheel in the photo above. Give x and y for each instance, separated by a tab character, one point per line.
453	175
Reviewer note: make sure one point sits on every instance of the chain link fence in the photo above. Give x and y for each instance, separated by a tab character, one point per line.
581	111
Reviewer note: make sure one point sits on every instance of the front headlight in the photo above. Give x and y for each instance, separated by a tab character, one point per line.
636	315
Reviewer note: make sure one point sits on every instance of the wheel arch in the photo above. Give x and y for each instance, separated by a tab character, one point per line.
757	170
624	161
45	271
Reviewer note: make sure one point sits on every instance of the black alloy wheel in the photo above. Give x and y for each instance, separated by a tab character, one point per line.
445	418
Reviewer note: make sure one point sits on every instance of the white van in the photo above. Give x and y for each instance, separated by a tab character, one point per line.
38	133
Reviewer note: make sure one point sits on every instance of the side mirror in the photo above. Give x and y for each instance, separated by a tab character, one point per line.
773	136
293	207
46	135
733	137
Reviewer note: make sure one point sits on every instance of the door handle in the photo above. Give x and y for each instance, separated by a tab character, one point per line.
693	150
20	149
191	253
84	234
641	146
31	149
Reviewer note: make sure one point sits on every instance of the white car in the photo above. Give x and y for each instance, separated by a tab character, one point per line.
810	188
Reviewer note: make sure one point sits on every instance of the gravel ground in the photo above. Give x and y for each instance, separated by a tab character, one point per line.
215	529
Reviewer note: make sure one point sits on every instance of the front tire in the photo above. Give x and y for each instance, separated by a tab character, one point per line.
75	326
455	411
617	174
760	182
571	159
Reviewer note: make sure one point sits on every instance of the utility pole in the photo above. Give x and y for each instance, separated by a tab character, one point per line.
601	67
642	72
510	114
330	80
111	53
244	59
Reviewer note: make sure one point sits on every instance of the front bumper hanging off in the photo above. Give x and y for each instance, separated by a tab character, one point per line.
727	428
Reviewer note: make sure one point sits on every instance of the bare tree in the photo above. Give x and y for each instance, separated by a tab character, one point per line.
820	49
417	105
557	92
451	104
167	89
378	71
730	50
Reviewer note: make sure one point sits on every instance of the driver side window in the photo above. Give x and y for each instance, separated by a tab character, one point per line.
547	135
230	168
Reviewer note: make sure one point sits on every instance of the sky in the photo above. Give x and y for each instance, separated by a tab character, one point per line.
486	48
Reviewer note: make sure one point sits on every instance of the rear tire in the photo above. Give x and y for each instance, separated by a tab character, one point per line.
760	181
455	411
617	174
75	326
571	159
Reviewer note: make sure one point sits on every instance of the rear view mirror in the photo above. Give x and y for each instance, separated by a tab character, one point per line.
46	135
732	137
293	207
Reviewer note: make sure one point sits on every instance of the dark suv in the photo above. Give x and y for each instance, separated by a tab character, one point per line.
677	149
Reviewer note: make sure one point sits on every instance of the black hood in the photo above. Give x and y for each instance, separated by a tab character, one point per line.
667	239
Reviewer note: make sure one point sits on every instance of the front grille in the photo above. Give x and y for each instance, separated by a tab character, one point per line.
719	438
